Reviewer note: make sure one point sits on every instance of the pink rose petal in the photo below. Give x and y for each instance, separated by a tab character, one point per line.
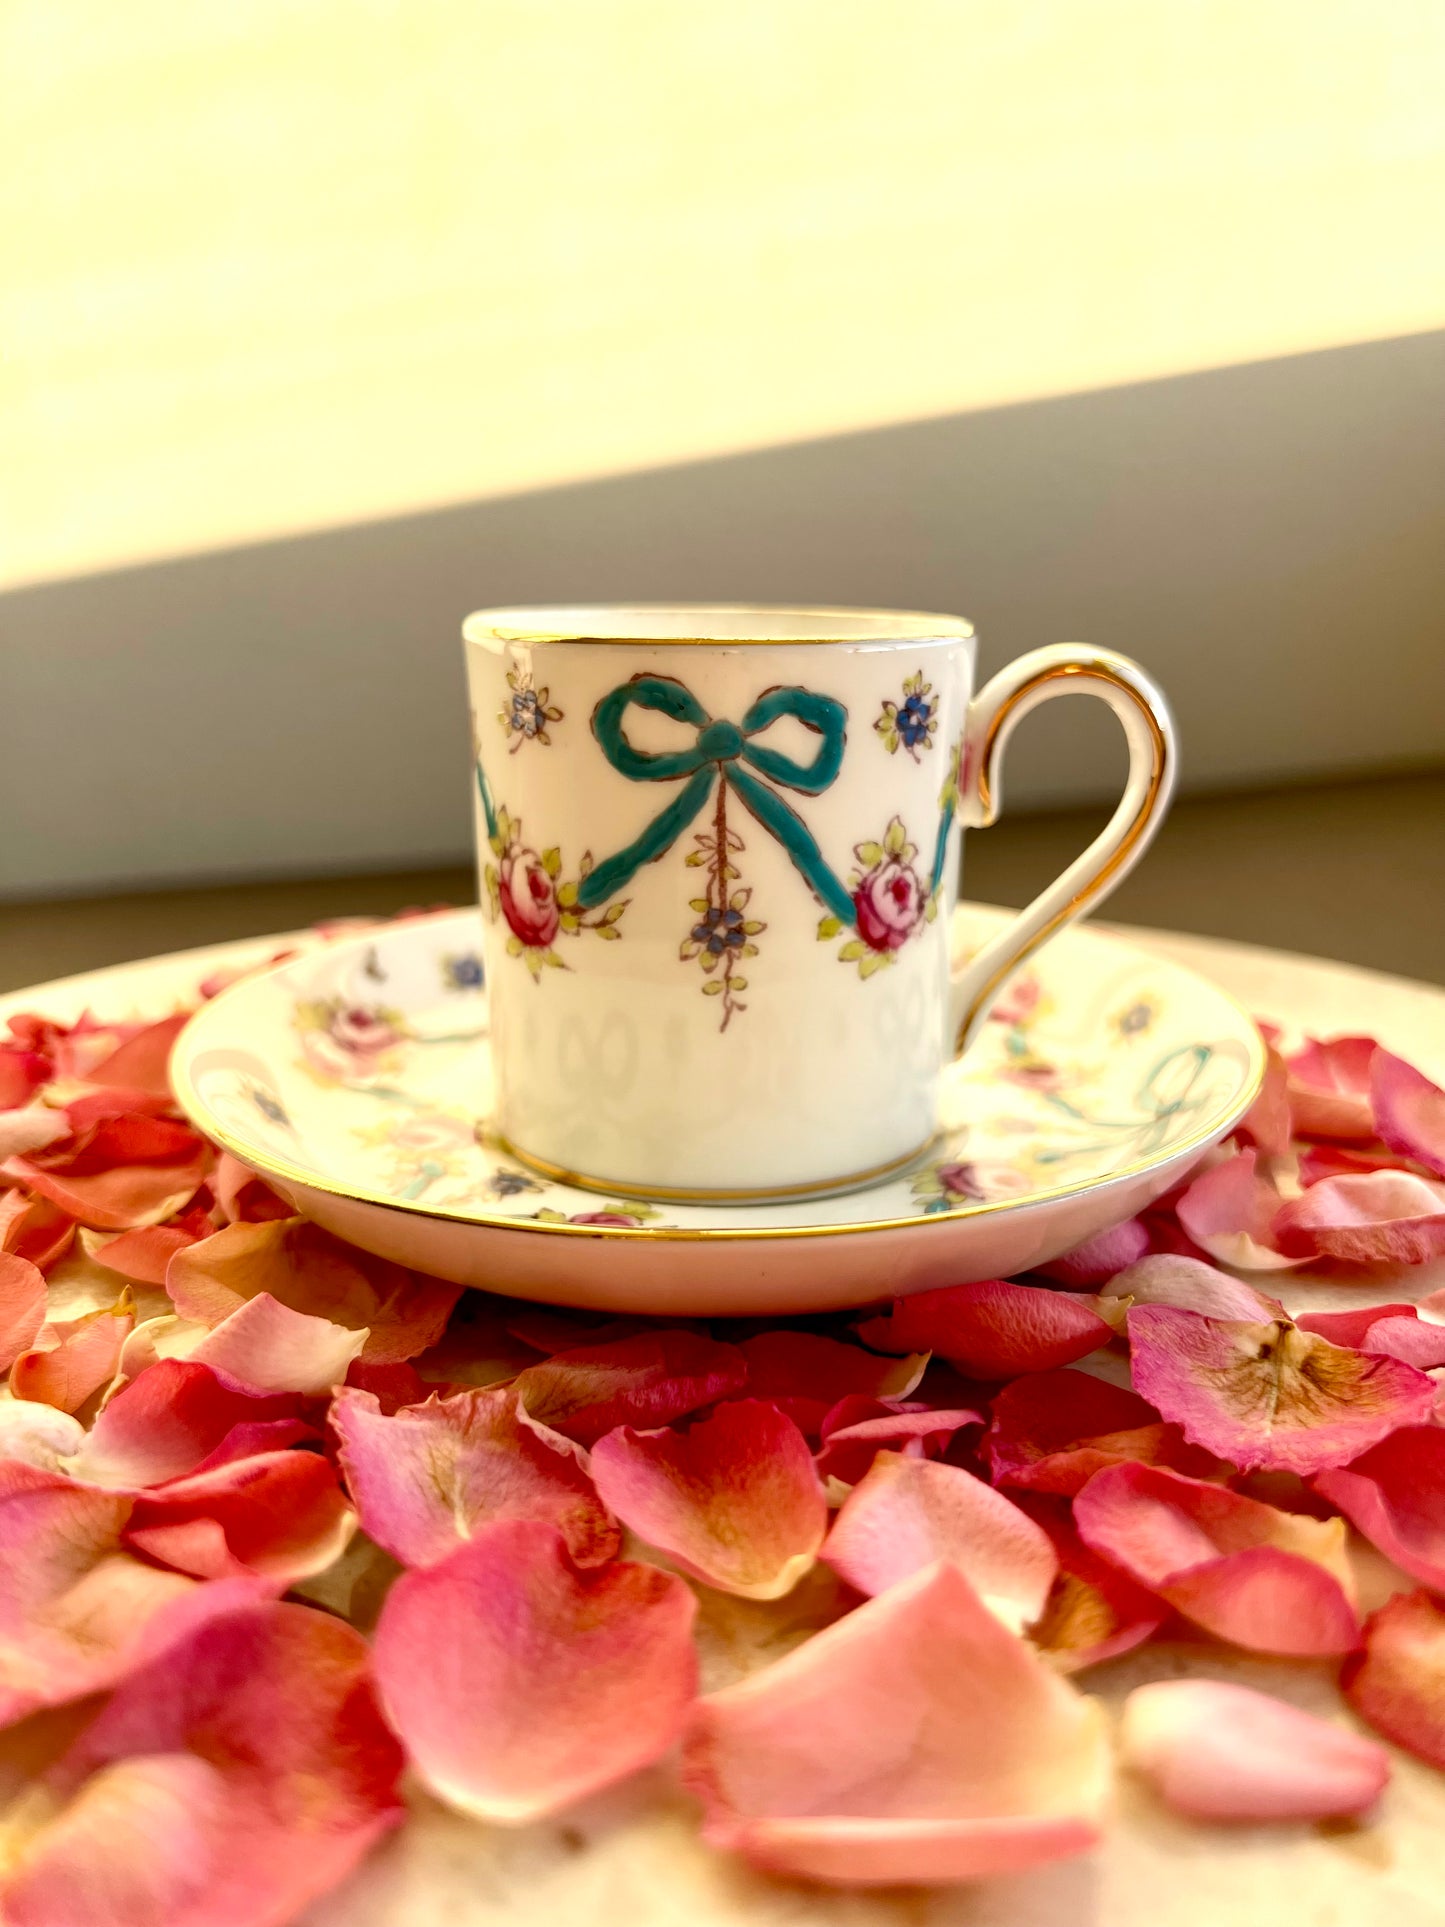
1191	1285
651	1379
22	1306
992	1329
1231	1212
143	1255
308	1270
1409	1110
734	1500
908	1513
1099	1258
1270	1395
805	1374
270	1348
1216	1751
1052	1431
1269	1122
1396	1330
72	1359
1374	1218
240	1774
1397	1683
22	1072
1094	1611
1318	1161
858	1429
1329	1088
127	1171
1395	1495
167	1423
1272	1581
435	1474
241	1194
277	1515
916	1740
33	1228
141	1062
31	1129
519	1683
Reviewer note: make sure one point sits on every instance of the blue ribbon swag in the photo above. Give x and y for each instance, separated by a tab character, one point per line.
719	755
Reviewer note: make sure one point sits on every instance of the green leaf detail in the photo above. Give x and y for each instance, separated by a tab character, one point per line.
829	927
714	989
853	950
552	862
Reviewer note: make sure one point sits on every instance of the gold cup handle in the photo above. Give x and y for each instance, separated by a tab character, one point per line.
1066	669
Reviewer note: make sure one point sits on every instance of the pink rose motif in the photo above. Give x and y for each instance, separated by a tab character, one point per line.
958	1180
602	1217
529	899
364	1032
431	1131
890	902
353	1044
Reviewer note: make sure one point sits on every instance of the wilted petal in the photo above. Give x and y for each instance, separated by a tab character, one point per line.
277	1515
22	1306
1231	1212
805	1374
1397	1330
1273	1581
914	1740
908	1513
992	1329
1329	1088
1395	1495
858	1429
1374	1218
73	1358
169	1421
240	1774
433	1475
1101	1257
306	1269
1191	1285
1268	1124
1052	1431
1409	1110
1094	1611
1217	1751
271	1348
734	1500
1270	1396
519	1683
33	1228
648	1380
1397	1683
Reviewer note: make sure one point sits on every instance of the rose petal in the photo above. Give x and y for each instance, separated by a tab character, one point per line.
1190	1285
1396	1330
143	1255
31	1129
1397	1683
279	1515
431	1476
1217	1751
270	1348
857	1429
226	1784
1268	1124
1272	1581
72	1358
735	1500
394	1386
1093	1612
1395	1495
167	1423
22	1072
992	1329
97	1104
33	1228
1231	1213
242	1194
38	1435
805	1374
1052	1431
306	1269
1318	1161
1375	1218
1409	1110
22	1306
908	1513
1270	1396
914	1740
1329	1088
127	1171
648	1380
1099	1258
519	1683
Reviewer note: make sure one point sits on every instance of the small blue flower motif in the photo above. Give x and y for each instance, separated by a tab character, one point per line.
463	972
910	724
719	930
509	1184
527	711
270	1107
1134	1021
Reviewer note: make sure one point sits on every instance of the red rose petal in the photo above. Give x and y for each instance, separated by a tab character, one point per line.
908	1513
1216	1751
143	1255
1409	1110
277	1515
1052	1431
914	1740
992	1329
168	1422
1396	1330
127	1171
1275	1582
1329	1088
1270	1395
805	1374
240	1774
31	1129
734	1500
1395	1495
72	1359
858	1429
1373	1218
651	1379
22	1306
1101	1257
33	1228
1231	1213
519	1683
308	1270
142	1061
431	1476
1397	1683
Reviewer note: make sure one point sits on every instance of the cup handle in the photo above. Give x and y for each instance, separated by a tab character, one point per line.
1068	668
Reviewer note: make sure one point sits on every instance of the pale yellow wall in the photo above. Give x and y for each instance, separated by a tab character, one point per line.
274	265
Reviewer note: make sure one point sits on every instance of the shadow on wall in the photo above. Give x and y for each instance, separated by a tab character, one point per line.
1269	540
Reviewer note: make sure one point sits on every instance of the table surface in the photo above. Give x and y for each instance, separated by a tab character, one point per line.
633	1854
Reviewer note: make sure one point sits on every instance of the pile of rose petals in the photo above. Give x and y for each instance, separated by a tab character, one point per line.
285	1528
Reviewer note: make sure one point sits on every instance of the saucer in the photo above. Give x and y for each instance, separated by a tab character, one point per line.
357	1080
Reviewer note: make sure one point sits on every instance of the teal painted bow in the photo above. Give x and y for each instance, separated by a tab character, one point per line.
719	755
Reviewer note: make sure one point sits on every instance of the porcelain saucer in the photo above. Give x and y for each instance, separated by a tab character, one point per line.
356	1078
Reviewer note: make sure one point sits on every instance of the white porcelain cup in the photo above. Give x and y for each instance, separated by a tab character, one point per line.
718	851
